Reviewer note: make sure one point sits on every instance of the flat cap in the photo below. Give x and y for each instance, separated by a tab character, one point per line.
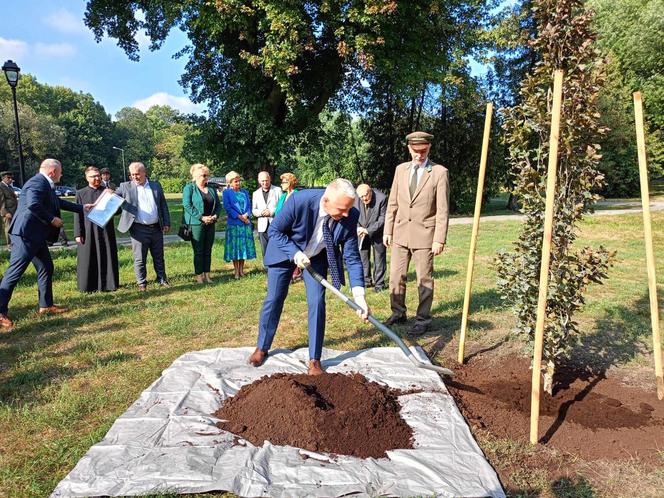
105	170
419	137
6	173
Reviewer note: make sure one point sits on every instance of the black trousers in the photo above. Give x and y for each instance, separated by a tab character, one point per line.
374	243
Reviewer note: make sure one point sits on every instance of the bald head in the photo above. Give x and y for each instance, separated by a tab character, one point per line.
264	180
51	168
364	192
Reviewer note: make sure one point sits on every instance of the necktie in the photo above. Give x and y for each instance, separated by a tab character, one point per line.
331	255
413	181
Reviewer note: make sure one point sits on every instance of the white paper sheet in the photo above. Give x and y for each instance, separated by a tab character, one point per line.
167	440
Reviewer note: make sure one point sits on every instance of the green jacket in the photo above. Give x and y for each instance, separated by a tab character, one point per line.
192	202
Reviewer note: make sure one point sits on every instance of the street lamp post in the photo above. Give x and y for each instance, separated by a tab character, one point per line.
12	71
124	171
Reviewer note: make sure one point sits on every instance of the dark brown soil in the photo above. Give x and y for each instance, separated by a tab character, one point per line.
331	413
589	415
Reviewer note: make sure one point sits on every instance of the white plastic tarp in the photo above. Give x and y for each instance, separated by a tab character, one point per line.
167	441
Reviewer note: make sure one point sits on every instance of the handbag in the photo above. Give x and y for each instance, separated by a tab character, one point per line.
185	232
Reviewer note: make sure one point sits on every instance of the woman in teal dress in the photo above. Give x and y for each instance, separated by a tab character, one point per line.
288	184
239	244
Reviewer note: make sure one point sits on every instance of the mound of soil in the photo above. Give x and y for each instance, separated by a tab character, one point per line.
331	413
589	415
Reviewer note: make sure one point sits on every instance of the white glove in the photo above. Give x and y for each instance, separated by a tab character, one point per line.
301	259
362	303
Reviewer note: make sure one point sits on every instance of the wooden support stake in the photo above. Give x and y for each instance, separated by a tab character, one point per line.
476	228
546	254
647	233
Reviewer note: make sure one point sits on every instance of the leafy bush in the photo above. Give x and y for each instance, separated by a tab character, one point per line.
172	185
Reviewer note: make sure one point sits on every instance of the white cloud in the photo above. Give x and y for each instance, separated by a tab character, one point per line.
143	40
55	49
141	37
183	104
65	22
12	49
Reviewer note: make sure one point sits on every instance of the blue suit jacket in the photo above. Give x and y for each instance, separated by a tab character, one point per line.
37	206
293	227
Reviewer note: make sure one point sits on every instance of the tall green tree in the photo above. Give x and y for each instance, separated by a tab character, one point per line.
630	34
87	127
41	136
338	150
170	129
268	68
564	41
134	133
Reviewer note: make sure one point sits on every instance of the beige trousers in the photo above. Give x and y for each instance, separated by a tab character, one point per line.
5	226
400	260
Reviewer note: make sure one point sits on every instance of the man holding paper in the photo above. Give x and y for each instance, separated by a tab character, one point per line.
145	216
97	254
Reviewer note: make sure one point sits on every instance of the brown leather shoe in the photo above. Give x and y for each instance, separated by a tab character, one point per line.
418	330
142	288
6	323
258	357
53	310
394	319
315	368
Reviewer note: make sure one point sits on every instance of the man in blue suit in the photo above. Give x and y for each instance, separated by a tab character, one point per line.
315	227
36	223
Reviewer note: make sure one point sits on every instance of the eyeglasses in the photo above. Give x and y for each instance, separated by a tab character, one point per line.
203	175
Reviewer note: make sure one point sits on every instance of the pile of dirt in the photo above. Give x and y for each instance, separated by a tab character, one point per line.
589	415
331	413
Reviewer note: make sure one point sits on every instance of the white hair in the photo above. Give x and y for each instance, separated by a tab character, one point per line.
140	166
342	186
50	163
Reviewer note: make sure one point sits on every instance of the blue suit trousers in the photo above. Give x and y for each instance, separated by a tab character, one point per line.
278	281
24	252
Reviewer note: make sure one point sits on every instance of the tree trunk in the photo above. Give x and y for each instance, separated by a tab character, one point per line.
548	377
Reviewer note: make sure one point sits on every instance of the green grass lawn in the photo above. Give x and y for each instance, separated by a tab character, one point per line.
65	379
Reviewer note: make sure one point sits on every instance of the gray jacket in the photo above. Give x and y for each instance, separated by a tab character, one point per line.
129	192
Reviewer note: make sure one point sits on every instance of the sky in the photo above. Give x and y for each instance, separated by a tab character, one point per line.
48	39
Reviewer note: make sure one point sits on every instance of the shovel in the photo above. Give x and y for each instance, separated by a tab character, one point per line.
380	326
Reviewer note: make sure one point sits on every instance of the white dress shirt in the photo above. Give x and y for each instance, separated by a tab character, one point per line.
147	207
317	243
420	170
50	180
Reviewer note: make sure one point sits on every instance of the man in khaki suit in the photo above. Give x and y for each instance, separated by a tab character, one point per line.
416	227
8	202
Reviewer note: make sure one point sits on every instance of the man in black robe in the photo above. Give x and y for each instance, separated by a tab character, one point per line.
97	261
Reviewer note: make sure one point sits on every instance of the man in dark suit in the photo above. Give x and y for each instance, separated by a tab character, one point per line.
106	179
145	216
372	204
8	202
36	223
315	227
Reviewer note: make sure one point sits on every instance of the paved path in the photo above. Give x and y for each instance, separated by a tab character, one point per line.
631	207
654	206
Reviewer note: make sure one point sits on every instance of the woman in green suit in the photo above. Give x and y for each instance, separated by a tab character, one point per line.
201	209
